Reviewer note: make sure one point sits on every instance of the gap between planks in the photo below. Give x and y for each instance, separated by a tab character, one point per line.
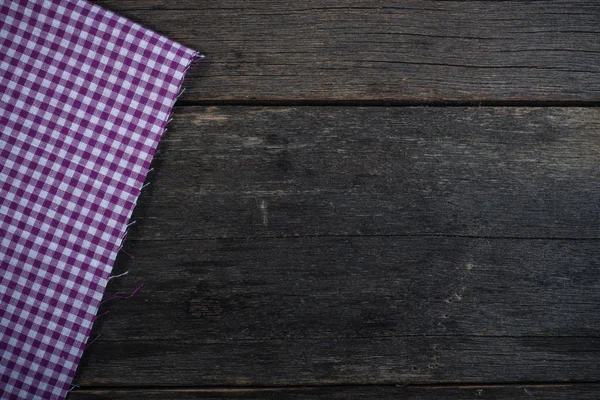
258	388
349	236
386	103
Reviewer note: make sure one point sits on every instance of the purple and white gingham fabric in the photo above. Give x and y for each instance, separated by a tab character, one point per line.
85	97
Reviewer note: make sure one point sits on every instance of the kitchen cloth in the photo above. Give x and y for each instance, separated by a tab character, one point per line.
85	97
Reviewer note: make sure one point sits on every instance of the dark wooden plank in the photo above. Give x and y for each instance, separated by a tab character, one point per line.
215	291
394	50
351	310
502	392
305	171
390	360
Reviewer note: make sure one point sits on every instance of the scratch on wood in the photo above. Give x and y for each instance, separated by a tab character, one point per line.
210	116
265	212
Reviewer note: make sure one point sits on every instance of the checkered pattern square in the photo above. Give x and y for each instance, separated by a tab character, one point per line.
85	96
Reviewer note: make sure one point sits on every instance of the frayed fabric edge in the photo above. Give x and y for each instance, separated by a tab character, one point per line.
193	62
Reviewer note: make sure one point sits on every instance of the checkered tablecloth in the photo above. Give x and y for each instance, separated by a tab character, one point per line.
85	97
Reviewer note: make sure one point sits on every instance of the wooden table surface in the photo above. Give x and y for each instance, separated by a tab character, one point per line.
366	199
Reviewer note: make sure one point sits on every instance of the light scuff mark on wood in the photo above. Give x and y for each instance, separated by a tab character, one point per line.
264	212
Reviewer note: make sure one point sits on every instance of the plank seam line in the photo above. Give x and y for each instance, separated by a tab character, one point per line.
233	238
320	338
392	103
258	388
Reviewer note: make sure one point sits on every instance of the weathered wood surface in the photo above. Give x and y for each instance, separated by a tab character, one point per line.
505	392
322	245
365	361
350	249
331	288
309	171
408	50
351	311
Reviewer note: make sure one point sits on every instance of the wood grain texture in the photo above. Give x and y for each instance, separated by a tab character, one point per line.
353	249
370	310
341	361
344	171
403	50
503	392
321	245
215	291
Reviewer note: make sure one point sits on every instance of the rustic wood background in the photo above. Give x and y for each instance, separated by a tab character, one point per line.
366	199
